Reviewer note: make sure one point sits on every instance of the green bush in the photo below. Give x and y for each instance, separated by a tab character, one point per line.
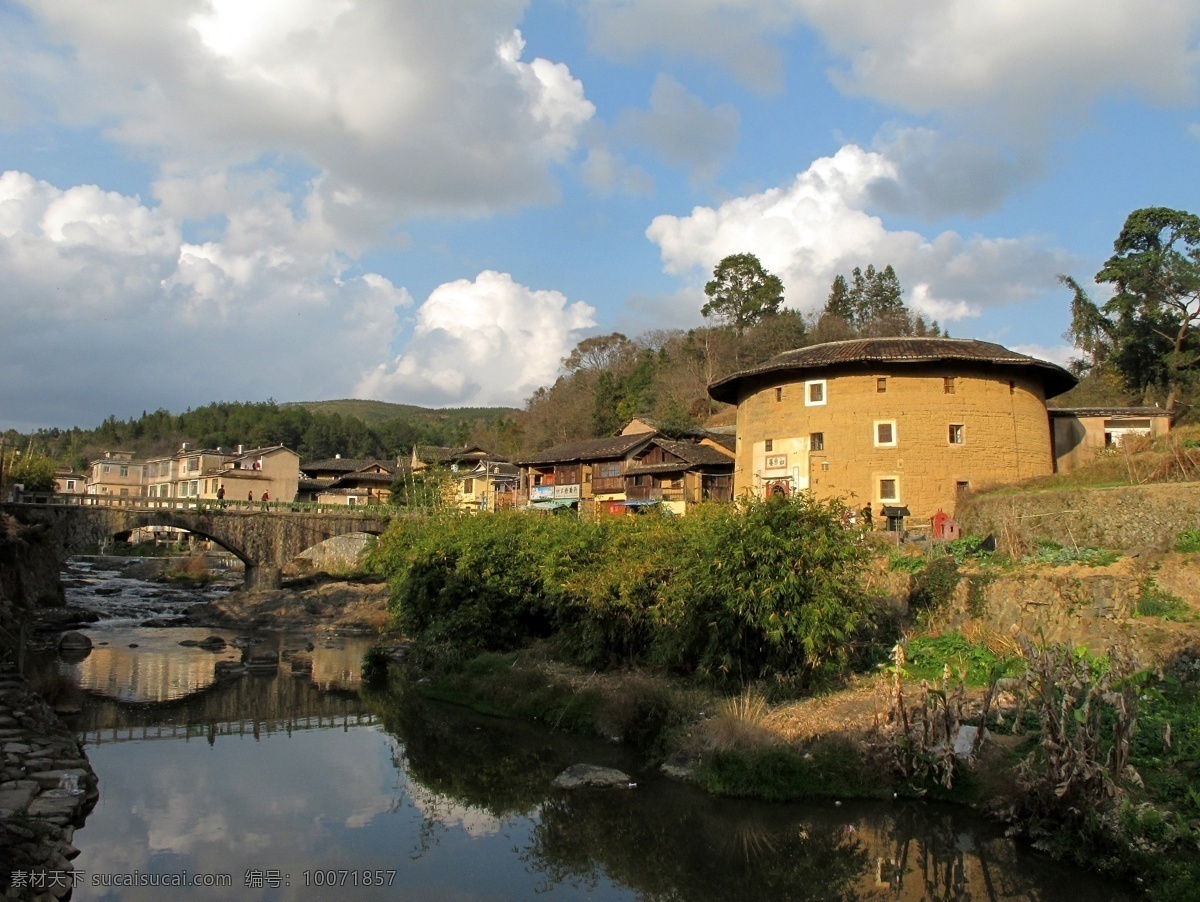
934	586
733	592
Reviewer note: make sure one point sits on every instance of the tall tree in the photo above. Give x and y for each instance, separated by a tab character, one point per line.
1156	309
742	293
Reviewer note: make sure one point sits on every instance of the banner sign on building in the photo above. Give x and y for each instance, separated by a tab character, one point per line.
566	491
541	493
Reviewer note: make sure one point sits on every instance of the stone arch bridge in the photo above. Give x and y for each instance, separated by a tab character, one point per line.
263	540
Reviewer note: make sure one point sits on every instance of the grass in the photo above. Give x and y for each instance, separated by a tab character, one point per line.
1154	602
1188	541
829	767
1049	552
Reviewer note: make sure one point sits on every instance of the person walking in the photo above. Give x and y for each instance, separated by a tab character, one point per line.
221	497
266	499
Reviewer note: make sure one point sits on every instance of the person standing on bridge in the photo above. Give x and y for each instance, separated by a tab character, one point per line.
250	496
221	497
266	498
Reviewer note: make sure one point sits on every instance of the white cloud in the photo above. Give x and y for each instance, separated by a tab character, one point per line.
818	226
1060	354
1031	61
108	310
1020	61
681	129
422	108
488	342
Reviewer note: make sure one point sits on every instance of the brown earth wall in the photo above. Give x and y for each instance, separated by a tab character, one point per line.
1129	518
1006	432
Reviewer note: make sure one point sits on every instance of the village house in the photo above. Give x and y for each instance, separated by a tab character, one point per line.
349	481
68	482
116	473
636	469
1080	433
677	474
203	473
904	425
491	485
590	471
478	480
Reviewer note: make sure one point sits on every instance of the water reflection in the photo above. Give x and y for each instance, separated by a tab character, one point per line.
666	840
274	777
143	664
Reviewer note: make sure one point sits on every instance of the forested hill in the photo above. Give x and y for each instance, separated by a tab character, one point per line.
317	429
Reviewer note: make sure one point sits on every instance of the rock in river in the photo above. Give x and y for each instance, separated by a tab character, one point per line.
592	776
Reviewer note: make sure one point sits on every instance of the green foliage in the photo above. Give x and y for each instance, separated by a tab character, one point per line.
1147	331
314	431
829	768
933	586
375	664
741	293
34	471
1188	541
870	305
900	562
926	658
736	594
428	489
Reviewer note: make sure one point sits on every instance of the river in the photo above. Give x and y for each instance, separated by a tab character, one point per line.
295	783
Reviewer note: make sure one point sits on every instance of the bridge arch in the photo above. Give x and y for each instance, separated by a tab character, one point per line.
263	540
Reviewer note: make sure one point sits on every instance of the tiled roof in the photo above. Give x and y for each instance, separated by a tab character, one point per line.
346	465
892	351
591	449
1139	412
696	455
678	466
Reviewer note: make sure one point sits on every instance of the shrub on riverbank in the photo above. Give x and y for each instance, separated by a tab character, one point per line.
767	589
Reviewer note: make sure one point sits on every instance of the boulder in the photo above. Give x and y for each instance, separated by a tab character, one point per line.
592	776
74	641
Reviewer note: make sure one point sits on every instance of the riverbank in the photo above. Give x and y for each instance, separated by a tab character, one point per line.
1144	824
47	787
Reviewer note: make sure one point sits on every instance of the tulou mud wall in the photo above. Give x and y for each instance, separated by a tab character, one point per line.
1124	518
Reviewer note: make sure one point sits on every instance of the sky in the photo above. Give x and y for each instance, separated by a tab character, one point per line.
433	202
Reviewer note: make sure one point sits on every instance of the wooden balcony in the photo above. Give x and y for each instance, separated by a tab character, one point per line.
653	493
606	485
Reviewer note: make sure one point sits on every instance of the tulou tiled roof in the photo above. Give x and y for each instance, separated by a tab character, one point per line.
590	449
1110	412
844	355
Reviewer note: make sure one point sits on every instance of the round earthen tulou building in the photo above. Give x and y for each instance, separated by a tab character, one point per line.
904	424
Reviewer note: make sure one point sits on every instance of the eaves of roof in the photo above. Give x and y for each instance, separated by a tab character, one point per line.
591	449
857	353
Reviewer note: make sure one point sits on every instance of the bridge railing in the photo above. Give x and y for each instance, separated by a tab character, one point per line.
143	503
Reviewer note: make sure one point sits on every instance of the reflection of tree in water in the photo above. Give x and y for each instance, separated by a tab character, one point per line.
689	849
669	841
450	755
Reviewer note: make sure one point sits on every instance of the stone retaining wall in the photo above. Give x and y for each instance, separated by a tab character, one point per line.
46	783
1129	518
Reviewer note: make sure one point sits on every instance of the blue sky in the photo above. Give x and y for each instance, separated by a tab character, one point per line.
432	203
